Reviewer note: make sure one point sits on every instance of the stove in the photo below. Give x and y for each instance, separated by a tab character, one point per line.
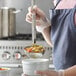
12	51
23	37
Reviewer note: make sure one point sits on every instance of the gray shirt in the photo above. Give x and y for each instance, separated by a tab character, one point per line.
63	36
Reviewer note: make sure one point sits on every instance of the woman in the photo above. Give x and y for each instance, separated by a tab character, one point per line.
60	34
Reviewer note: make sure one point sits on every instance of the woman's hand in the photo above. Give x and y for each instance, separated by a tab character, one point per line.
45	73
39	14
41	20
42	23
24	74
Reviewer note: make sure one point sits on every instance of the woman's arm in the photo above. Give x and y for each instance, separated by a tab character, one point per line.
70	71
42	23
67	72
46	35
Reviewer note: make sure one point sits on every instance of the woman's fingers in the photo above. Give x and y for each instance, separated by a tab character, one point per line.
44	73
24	74
41	73
29	15
29	19
39	13
32	10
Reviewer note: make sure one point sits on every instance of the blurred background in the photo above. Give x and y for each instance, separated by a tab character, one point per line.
21	25
16	33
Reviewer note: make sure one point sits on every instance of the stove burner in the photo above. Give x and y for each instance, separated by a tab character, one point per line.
23	37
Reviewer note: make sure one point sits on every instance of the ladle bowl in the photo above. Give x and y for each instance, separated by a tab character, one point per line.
34	51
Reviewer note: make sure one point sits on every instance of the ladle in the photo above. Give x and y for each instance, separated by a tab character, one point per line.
33	23
33	55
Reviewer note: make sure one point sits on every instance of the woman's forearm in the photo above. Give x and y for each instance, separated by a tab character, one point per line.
70	71
46	35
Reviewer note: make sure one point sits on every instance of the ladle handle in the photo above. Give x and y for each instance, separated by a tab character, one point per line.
33	23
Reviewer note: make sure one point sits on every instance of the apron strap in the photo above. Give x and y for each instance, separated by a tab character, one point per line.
57	3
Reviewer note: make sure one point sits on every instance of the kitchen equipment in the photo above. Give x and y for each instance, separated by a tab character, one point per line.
34	51
11	47
12	54
8	21
4	71
31	65
33	23
33	55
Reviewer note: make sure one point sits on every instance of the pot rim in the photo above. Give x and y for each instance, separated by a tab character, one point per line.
6	8
38	60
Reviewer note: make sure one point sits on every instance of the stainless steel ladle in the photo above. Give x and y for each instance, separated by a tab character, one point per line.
33	22
33	55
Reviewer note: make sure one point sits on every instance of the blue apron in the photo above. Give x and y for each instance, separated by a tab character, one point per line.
63	36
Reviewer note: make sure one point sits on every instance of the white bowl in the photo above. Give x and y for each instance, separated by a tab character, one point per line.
31	65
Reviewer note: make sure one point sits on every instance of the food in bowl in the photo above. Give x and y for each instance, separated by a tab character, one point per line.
4	71
35	49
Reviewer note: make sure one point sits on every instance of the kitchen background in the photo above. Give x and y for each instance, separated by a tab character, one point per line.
21	25
11	48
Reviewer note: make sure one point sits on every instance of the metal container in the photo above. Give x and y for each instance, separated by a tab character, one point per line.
7	21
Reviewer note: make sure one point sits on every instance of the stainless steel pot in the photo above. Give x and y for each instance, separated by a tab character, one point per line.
8	21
